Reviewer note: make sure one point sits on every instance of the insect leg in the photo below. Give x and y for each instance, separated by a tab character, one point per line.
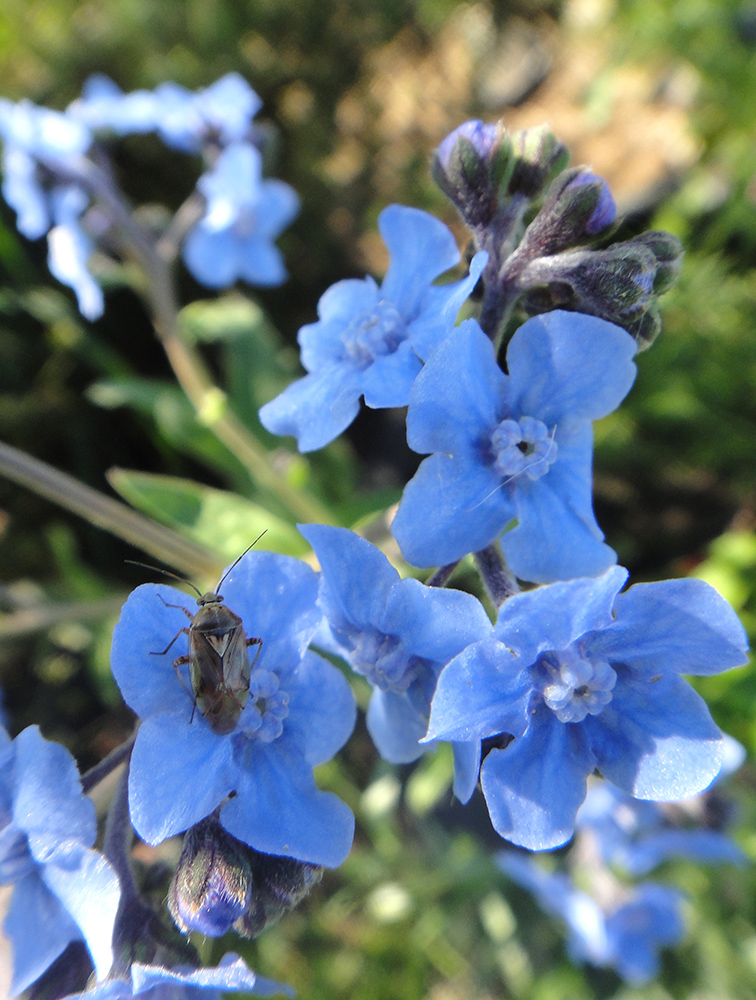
258	643
184	630
179	606
179	662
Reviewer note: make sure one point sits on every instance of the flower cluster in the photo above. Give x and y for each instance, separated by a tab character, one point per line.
53	173
236	700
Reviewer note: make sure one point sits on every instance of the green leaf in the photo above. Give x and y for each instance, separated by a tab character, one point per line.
223	521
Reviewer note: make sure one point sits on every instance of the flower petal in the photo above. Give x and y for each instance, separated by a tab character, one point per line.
396	727
553	617
534	788
421	248
566	365
38	928
279	810
675	625
179	774
141	665
452	506
482	692
315	409
48	803
88	888
656	739
321	708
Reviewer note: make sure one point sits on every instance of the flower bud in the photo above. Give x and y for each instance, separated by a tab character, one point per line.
213	883
472	166
577	209
620	283
280	884
539	157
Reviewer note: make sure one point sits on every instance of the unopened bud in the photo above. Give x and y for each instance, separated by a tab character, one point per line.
577	209
280	884
213	883
620	283
539	157
472	166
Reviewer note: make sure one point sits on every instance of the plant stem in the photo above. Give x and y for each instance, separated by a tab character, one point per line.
160	542
107	765
499	580
208	400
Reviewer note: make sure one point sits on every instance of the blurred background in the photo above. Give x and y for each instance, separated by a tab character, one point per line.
657	97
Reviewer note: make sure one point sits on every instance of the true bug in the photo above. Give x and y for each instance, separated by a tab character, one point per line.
219	667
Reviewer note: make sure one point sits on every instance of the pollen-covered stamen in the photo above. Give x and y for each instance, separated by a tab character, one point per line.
374	334
384	661
523	447
270	706
575	685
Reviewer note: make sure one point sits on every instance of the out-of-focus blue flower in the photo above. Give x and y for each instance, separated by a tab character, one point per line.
36	138
299	713
222	113
69	249
185	120
626	938
39	149
513	447
154	982
371	341
638	836
104	106
63	890
244	214
584	677
398	634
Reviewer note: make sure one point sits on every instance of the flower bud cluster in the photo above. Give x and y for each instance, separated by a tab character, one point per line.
496	179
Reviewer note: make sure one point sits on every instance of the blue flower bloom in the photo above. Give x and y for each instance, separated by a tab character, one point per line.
244	214
584	677
299	713
63	890
638	836
222	112
39	147
513	447
155	982
626	938
372	341
104	106
398	634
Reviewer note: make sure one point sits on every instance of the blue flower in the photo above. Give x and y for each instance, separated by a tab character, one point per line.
104	106
300	711
372	341
244	214
638	836
155	982
63	890
40	146
32	136
514	447
69	250
222	112
626	938
584	677
398	634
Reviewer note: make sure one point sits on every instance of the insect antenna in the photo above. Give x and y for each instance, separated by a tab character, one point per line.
238	560
166	572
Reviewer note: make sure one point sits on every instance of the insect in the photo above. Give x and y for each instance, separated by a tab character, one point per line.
219	667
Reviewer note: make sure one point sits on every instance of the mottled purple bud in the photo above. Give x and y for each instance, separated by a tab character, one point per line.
212	886
472	166
280	884
605	212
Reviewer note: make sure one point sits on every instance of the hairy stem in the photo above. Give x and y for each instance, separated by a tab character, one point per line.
499	580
